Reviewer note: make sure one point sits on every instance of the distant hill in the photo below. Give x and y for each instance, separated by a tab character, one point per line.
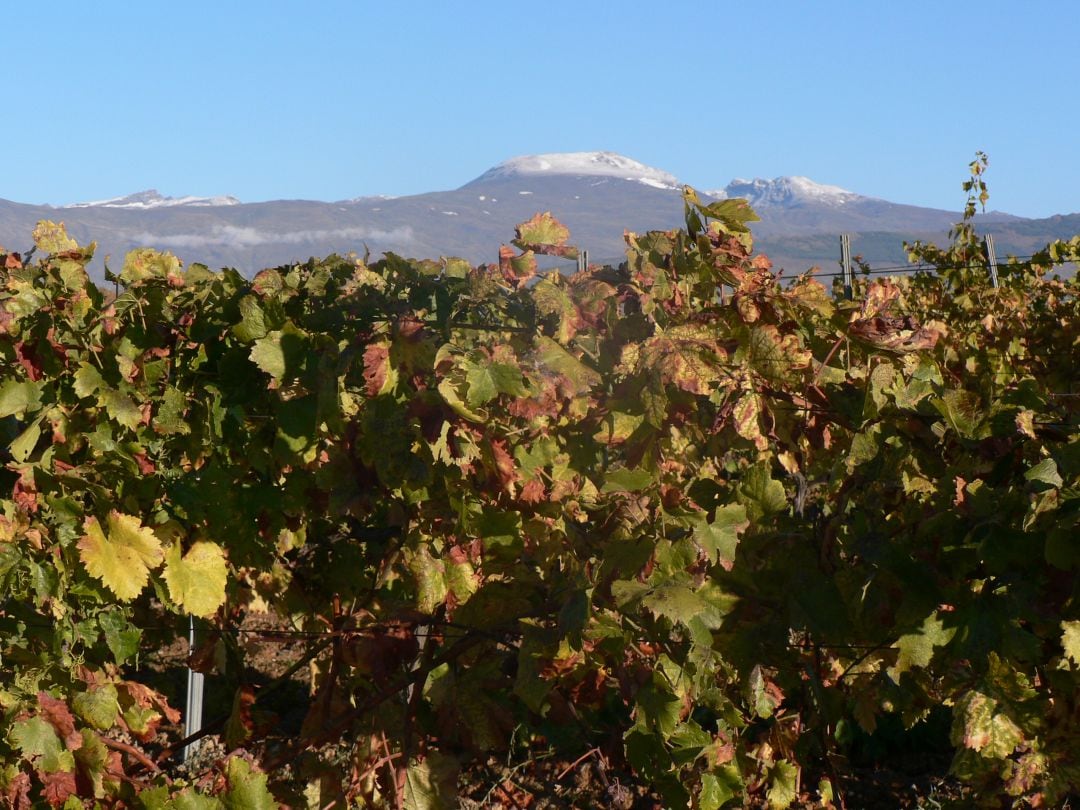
597	195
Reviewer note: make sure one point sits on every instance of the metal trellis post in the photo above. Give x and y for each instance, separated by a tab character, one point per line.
195	686
845	262
991	259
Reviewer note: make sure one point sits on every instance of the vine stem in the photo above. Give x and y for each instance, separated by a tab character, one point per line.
132	752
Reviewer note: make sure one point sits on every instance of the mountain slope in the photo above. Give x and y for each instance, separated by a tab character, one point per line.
597	195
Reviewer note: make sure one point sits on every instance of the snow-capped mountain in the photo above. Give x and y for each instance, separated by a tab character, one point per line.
152	198
786	192
579	164
597	195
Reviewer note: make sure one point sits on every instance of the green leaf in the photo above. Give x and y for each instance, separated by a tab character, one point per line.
196	580
99	707
559	360
120	408
624	480
657	707
121	637
18	397
87	380
247	788
26	441
253	324
760	494
917	649
1045	472
486	380
170	418
123	558
38	740
783	778
190	799
719	788
269	356
720	538
681	604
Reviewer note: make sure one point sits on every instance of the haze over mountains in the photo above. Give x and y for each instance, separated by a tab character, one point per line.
597	195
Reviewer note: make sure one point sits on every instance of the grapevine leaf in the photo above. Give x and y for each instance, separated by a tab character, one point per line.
121	637
1070	640
38	740
51	238
1045	472
917	649
247	788
720	538
170	415
268	355
545	234
99	706
120	408
18	397
431	783
559	360
122	560
962	411
25	442
783	779
146	263
681	604
88	380
719	787
760	493
196	580
189	799
487	380
978	726
551	299
623	480
253	324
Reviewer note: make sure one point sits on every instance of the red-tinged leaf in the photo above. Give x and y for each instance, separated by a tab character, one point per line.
147	698
545	234
60	718
27	358
57	787
146	466
516	270
376	368
17	792
533	492
502	464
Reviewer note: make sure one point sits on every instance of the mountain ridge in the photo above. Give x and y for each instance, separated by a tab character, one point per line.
598	195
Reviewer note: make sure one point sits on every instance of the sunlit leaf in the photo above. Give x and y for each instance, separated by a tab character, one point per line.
196	579
123	558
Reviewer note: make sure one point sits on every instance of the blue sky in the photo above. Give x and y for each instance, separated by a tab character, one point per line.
331	100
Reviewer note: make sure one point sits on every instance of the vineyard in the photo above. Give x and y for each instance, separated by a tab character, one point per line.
696	529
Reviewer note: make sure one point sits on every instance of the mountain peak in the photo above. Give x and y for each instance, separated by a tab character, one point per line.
152	198
785	192
580	164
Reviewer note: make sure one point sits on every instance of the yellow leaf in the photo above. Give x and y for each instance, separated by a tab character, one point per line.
123	558
197	579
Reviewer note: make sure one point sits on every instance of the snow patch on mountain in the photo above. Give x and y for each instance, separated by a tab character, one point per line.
581	164
154	199
785	192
